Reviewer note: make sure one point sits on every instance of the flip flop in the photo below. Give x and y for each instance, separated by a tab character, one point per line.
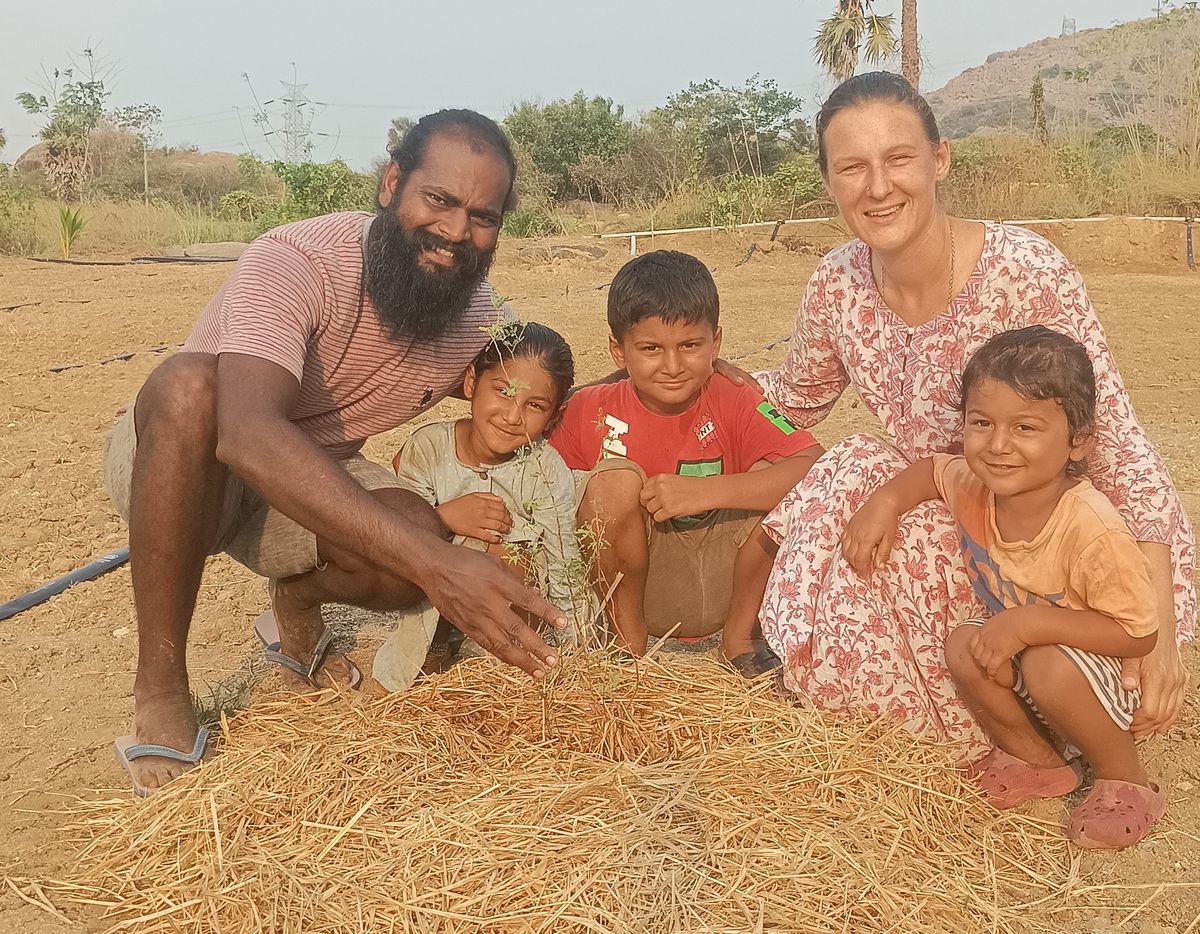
1007	781
1115	815
756	663
267	630
127	749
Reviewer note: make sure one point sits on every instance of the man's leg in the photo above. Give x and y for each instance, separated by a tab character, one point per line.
611	503
751	569
175	503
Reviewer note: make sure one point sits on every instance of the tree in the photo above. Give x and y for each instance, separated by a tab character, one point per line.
3	139
1037	100
910	52
400	126
560	134
853	31
142	121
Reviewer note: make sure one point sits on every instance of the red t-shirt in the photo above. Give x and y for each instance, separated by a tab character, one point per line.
725	431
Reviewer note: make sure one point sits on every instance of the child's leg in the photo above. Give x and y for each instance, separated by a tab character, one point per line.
612	504
1067	701
751	569
1008	722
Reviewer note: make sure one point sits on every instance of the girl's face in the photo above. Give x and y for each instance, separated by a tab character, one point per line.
511	403
1017	445
883	172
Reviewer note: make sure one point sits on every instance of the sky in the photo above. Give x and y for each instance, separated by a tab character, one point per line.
365	62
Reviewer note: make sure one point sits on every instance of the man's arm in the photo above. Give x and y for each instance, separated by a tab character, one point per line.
257	440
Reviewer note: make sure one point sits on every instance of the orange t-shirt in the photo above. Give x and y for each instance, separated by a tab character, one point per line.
1084	558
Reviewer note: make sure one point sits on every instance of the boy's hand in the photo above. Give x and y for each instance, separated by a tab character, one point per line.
993	646
667	496
869	535
476	515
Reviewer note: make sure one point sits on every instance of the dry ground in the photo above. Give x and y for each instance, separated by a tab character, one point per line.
66	667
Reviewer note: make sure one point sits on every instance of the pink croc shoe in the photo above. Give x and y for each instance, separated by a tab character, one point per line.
1007	781
1115	814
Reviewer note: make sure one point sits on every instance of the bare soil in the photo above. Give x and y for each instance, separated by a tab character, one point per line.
66	667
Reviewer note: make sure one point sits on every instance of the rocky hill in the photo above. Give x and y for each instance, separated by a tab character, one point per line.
1146	71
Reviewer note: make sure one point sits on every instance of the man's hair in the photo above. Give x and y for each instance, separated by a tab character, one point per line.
1038	363
479	131
664	284
869	88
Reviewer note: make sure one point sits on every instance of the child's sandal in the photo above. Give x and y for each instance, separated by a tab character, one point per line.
1007	781
1115	814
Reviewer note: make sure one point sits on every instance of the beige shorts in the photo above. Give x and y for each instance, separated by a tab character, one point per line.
689	579
248	530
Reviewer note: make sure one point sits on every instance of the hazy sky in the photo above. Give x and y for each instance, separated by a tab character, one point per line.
369	61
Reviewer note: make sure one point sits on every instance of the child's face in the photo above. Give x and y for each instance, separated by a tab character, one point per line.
510	404
1017	445
668	364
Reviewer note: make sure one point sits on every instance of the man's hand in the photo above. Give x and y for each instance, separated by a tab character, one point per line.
869	535
1162	681
667	496
993	646
736	375
480	596
477	515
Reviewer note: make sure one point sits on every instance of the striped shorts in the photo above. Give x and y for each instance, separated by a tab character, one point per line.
1102	673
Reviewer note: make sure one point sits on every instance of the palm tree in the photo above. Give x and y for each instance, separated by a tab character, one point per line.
851	31
910	55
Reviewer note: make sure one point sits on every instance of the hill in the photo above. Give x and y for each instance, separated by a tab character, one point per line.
1146	72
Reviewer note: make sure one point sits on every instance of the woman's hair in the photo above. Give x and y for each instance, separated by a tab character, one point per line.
869	88
538	342
1038	363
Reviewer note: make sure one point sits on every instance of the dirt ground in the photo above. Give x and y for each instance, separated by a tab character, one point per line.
66	667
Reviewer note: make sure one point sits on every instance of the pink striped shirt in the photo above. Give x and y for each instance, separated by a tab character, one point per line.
293	299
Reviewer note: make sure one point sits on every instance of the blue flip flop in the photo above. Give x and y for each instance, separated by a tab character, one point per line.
127	749
267	630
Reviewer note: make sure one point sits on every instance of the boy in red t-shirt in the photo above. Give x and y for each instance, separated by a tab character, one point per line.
676	469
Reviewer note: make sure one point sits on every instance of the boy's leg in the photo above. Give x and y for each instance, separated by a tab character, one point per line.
1008	722
1066	699
611	503
751	569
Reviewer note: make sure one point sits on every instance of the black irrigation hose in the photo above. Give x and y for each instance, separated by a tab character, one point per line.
102	565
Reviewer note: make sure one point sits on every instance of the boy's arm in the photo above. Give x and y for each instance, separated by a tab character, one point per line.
667	496
870	534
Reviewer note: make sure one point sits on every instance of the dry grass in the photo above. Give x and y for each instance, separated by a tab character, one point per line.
132	227
661	797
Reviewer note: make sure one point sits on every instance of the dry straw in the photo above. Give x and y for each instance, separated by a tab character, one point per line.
658	797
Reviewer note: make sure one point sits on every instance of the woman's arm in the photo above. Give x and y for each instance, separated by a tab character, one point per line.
871	532
1160	675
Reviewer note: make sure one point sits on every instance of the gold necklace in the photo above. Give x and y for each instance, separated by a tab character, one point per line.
950	281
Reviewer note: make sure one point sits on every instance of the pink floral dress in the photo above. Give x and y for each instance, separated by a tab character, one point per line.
876	645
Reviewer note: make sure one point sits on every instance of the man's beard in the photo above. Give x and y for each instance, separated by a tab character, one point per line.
412	302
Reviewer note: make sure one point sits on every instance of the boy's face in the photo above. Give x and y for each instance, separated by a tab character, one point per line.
1017	445
668	364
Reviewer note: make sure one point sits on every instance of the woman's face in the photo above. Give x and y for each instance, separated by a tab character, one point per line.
883	172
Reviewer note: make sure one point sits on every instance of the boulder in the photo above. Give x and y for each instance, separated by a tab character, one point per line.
227	249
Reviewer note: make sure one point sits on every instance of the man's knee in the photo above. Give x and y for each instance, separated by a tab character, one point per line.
414	509
612	494
182	390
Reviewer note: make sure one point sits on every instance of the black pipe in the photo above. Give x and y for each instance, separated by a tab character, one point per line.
102	565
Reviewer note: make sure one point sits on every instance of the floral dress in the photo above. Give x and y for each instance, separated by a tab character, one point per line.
876	645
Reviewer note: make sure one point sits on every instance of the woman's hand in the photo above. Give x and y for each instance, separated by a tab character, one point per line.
476	515
736	375
870	534
1162	681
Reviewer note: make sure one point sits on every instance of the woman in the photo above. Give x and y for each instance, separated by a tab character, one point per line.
897	313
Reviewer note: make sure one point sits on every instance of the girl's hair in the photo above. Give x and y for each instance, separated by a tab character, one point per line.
543	344
1038	363
869	88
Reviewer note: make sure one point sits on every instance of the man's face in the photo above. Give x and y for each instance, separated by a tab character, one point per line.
434	236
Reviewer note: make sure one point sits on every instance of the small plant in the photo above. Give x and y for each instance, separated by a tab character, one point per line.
70	226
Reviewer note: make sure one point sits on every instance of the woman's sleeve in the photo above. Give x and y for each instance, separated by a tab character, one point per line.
554	518
811	377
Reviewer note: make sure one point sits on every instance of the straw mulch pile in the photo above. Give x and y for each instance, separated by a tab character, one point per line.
664	796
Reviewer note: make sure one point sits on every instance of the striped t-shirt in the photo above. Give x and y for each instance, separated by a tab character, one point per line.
293	298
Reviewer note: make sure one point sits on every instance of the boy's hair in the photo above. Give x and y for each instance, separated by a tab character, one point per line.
1039	363
538	342
663	284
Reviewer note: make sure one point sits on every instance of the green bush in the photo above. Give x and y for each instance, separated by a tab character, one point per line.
18	224
315	188
531	223
248	206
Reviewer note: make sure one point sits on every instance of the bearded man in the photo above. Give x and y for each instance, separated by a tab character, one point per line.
328	331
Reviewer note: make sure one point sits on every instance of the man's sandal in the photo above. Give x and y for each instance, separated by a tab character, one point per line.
1115	814
127	749
1007	781
268	633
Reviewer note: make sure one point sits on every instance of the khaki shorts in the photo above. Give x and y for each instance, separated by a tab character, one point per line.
248	530
689	580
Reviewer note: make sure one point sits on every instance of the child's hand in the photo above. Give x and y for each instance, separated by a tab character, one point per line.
668	496
476	515
994	646
869	535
